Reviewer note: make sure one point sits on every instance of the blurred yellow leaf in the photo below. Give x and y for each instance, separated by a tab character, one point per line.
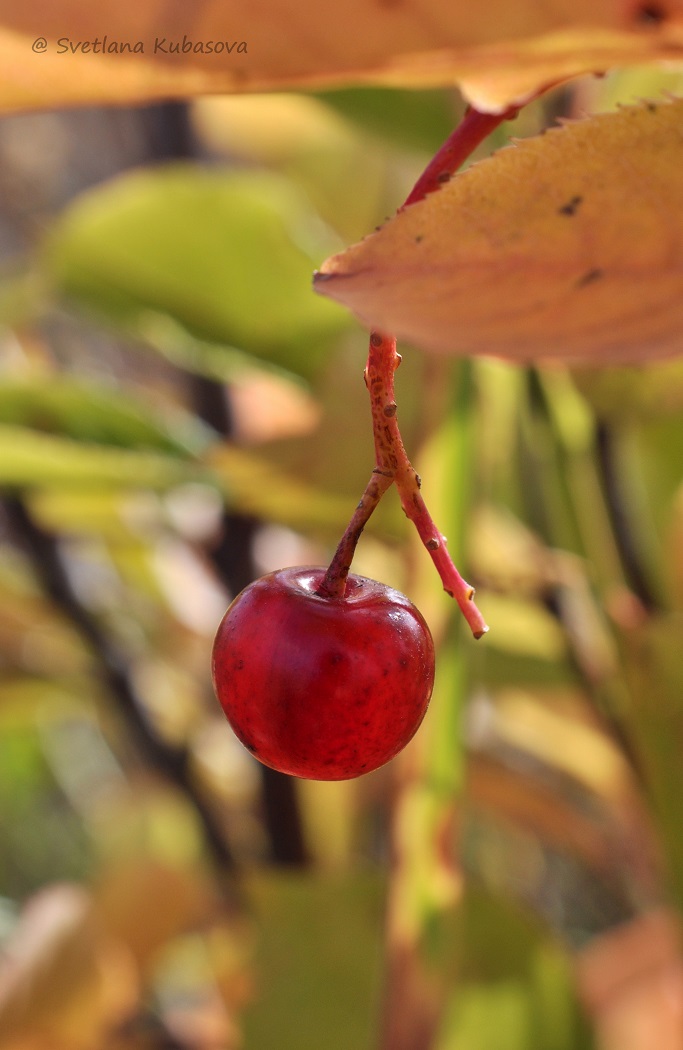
568	245
144	903
257	487
63	982
499	52
562	735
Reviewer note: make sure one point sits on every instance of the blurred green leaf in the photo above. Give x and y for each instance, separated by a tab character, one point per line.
490	1017
653	664
42	837
652	459
624	395
516	988
346	174
30	459
256	486
228	255
318	962
89	412
413	119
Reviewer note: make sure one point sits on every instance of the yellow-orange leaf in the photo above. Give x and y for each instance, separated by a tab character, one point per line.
499	51
64	983
568	246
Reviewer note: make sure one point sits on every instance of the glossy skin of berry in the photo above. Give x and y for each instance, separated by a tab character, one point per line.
323	688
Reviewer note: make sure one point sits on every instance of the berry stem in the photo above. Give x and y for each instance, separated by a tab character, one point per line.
393	466
392	463
333	584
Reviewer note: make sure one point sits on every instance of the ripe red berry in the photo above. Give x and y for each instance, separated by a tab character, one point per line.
318	687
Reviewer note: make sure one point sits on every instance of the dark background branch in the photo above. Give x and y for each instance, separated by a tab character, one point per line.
111	666
620	508
232	555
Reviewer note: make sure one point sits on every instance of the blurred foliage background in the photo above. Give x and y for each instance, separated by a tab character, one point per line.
178	414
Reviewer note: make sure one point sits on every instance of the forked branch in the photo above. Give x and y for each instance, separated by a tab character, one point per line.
391	461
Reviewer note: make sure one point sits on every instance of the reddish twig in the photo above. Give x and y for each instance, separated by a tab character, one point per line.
470	132
393	466
392	463
333	584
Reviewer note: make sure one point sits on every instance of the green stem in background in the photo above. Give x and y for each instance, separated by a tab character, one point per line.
568	507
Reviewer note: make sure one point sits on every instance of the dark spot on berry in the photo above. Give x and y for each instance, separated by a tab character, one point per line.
419	239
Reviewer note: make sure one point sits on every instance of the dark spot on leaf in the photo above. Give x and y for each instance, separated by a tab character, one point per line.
589	277
571	207
651	13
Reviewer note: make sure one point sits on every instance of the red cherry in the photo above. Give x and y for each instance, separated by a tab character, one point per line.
323	688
